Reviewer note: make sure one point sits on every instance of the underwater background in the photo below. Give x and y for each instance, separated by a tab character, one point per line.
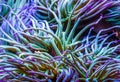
59	40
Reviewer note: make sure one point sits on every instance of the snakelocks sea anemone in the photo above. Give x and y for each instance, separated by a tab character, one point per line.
112	16
31	50
15	5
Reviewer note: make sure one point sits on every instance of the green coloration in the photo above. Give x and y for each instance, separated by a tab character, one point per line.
34	52
113	15
15	5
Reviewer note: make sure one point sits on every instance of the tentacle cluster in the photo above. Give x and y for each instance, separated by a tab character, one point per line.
32	51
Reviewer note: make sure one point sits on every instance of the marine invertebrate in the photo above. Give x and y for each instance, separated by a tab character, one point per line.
95	59
15	5
98	69
26	48
112	16
73	11
31	67
29	30
32	51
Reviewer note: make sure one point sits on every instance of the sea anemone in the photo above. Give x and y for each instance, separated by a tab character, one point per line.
31	50
82	12
96	60
112	16
37	50
15	5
